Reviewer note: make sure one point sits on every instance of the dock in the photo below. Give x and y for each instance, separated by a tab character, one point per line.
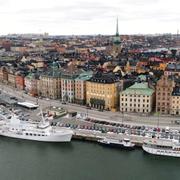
86	135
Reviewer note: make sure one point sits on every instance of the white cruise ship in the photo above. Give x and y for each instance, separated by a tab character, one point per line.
37	132
162	147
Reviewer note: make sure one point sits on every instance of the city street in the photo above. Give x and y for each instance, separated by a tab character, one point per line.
133	119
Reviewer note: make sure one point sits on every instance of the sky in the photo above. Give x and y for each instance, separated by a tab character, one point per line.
89	17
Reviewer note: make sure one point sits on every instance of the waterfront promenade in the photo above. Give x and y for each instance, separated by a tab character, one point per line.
133	119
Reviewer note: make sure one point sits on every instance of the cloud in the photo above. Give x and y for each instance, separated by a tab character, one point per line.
90	16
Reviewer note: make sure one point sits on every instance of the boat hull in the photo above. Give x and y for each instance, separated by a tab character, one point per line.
65	137
161	152
114	145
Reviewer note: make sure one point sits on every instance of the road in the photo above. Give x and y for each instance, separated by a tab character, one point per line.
132	119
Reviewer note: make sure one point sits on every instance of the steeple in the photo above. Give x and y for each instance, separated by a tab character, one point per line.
116	38
117	28
177	33
116	49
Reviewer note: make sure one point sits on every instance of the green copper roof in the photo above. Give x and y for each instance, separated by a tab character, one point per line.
139	89
85	76
117	40
142	77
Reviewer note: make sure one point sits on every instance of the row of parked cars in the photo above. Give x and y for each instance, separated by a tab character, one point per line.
139	130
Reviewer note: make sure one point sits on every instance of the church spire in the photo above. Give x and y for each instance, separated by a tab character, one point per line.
117	28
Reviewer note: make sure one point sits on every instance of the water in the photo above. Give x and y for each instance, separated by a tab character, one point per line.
27	160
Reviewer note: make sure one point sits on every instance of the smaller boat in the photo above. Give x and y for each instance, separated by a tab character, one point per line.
124	144
162	147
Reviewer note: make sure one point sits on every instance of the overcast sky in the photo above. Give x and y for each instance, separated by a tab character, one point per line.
67	17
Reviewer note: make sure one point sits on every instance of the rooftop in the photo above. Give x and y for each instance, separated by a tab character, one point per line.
139	89
85	76
104	78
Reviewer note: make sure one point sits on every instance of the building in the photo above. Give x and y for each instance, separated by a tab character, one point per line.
137	98
20	81
68	77
175	101
80	87
130	66
102	92
12	79
49	84
164	90
3	74
172	69
30	83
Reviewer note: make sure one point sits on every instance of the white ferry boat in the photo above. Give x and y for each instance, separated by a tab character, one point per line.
37	132
125	143
162	147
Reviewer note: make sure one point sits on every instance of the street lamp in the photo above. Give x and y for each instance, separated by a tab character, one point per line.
122	117
87	112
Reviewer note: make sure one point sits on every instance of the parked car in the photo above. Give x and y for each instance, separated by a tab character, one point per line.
177	122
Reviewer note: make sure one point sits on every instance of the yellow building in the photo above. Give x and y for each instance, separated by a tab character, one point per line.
102	92
175	101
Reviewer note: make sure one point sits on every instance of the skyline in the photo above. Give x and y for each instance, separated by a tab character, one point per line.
75	17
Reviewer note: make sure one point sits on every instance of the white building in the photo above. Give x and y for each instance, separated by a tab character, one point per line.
137	98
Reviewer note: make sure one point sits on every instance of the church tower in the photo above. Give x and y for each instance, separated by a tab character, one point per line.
116	49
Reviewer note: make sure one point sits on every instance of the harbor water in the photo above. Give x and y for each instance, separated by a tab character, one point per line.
29	160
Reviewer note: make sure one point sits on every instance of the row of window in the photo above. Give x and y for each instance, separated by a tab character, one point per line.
177	107
134	95
134	105
162	104
163	94
177	102
68	93
134	110
101	92
30	134
163	98
138	100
